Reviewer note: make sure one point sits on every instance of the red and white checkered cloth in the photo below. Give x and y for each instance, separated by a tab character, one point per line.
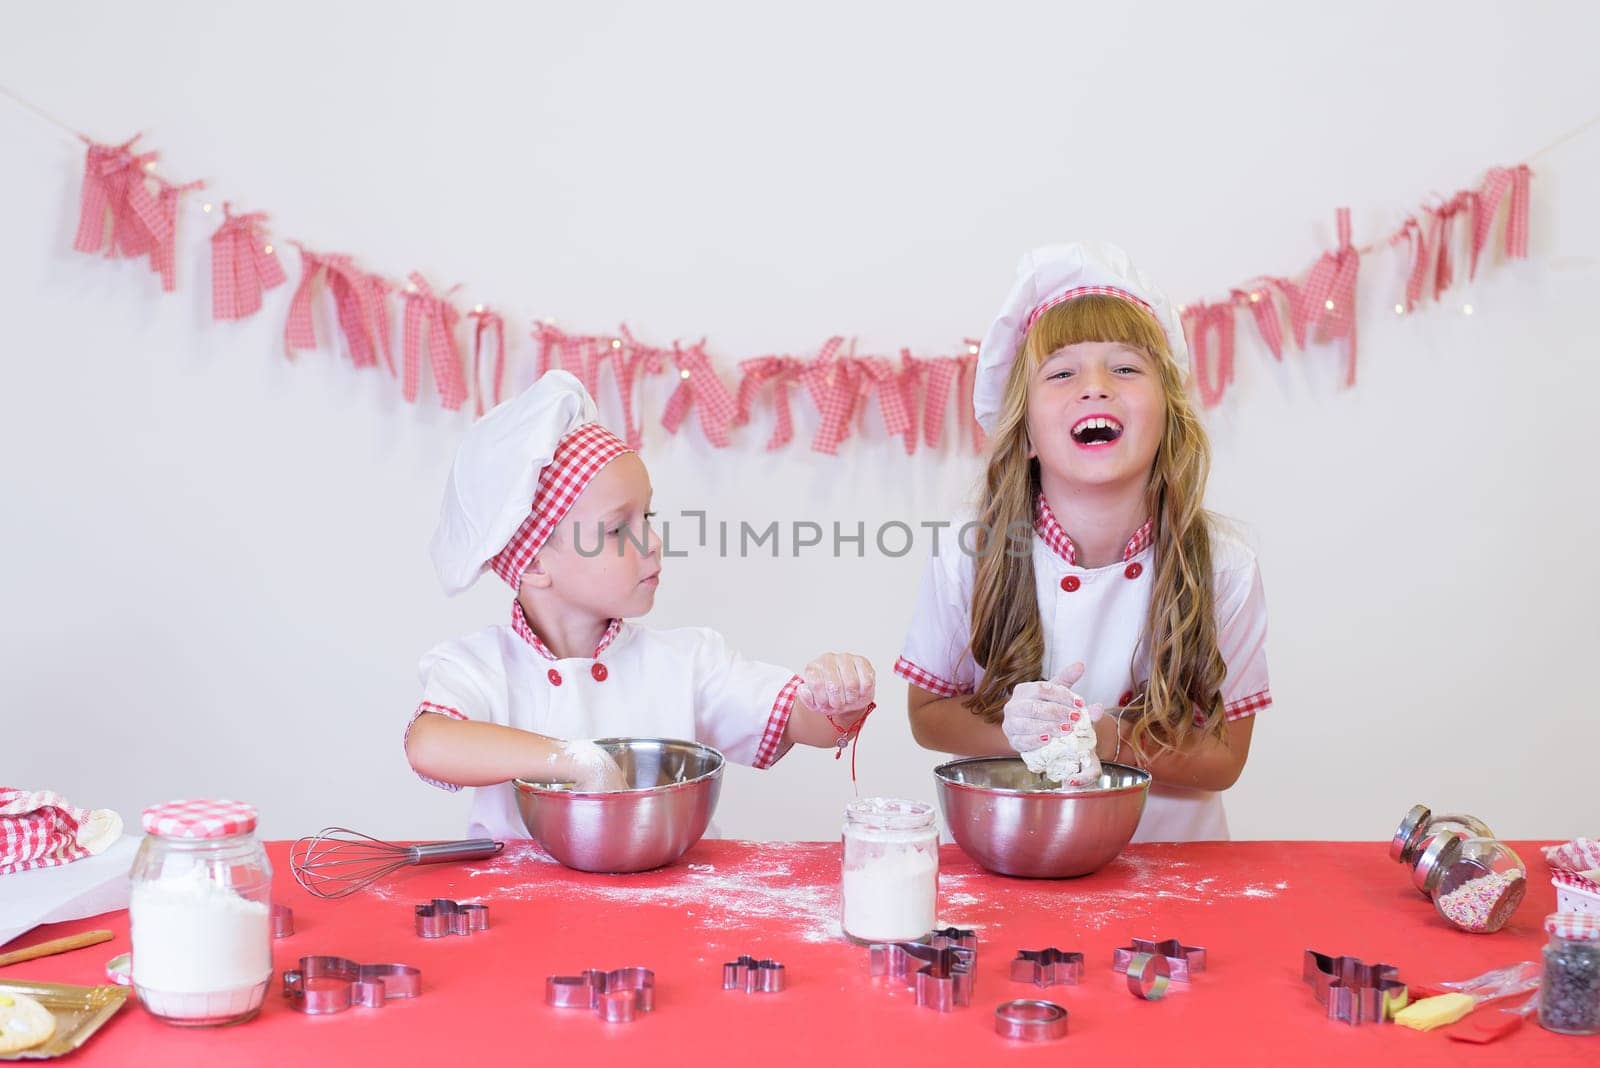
199	819
1580	854
698	385
578	458
431	322
1578	926
243	265
40	829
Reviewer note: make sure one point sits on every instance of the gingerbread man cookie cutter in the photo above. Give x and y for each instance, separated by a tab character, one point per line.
1352	990
617	996
323	984
441	917
942	977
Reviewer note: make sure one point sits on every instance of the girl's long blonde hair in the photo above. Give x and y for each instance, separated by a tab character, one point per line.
1183	696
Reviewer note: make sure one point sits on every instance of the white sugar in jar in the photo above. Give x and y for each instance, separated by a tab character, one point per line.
200	913
891	870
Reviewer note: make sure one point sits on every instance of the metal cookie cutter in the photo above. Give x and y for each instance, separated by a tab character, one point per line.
282	921
1047	967
962	937
323	984
752	975
616	996
1030	1020
1149	975
1182	961
1353	991
943	978
441	917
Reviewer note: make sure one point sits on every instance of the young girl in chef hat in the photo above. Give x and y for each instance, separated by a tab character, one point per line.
559	508
1100	581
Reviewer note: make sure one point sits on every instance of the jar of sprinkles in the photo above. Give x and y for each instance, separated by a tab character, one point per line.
1569	1003
1421	828
1480	883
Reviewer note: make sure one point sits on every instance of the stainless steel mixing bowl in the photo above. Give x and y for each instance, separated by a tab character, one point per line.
1015	822
674	789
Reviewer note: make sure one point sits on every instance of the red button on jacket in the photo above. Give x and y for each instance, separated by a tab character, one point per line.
1070	583
554	676
599	672
1134	570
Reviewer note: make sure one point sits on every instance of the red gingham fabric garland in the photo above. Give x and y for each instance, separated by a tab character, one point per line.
243	265
485	321
129	212
698	385
578	458
199	819
431	322
780	372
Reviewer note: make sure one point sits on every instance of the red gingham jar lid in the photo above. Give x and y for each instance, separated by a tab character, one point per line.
199	819
1577	926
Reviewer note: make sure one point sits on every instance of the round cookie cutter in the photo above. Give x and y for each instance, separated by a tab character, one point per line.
1149	974
1030	1020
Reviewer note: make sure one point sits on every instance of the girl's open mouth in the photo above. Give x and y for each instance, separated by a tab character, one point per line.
1096	430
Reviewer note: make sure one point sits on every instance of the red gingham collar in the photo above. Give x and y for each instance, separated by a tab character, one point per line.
519	623
1050	531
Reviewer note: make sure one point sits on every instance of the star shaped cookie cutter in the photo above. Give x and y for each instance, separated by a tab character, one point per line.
942	977
617	996
1182	961
1352	990
1047	967
961	937
441	917
754	976
323	984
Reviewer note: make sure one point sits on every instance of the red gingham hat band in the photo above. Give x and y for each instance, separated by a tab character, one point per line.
578	458
1085	291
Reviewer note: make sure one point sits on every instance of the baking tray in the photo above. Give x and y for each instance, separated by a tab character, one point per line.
79	1011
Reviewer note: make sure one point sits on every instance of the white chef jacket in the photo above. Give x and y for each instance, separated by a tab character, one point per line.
1097	615
681	683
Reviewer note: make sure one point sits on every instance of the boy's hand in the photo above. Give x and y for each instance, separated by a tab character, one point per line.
591	769
840	686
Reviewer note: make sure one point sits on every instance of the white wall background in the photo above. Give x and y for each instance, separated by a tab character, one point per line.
216	579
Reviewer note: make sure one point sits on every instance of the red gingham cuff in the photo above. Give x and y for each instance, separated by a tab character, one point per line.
443	710
771	747
926	680
1247	706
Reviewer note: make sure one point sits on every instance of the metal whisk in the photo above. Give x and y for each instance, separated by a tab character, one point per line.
337	861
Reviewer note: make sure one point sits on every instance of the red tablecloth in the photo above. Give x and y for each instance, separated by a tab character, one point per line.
1255	905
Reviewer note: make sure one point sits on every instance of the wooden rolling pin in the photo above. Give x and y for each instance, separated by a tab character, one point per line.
58	945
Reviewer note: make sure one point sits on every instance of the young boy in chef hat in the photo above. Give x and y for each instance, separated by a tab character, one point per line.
559	508
1102	582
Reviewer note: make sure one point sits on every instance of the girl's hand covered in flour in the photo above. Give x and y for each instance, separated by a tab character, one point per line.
840	686
1053	728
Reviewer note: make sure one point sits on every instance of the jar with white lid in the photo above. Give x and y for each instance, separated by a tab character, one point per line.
200	912
891	870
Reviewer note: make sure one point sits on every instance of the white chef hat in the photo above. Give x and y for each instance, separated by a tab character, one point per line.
516	474
1049	276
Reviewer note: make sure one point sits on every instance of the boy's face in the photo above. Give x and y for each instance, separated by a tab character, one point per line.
604	558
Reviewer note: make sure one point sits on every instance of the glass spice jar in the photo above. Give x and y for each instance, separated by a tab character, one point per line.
199	914
1479	883
1569	1000
890	870
1420	826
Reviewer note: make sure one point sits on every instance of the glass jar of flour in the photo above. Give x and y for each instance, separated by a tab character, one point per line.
891	870
200	914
